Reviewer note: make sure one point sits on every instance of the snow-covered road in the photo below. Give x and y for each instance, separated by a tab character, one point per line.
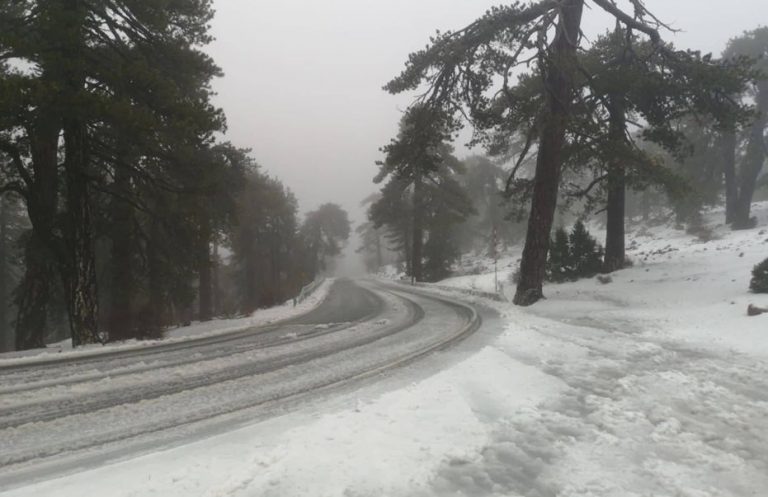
57	415
653	385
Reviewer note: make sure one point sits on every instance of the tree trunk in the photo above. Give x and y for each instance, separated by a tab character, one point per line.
42	249
204	272
727	142
215	271
79	260
246	237
559	94
156	305
79	272
646	203
5	274
753	162
615	255
121	319
615	251
418	229
34	295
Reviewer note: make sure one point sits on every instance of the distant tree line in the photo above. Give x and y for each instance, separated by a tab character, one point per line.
122	210
432	206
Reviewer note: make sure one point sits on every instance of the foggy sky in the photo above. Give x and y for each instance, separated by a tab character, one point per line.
303	78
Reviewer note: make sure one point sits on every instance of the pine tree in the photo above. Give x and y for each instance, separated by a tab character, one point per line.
415	162
372	246
102	76
559	264
13	227
441	249
483	182
461	67
392	212
741	184
325	232
586	255
268	264
448	205
759	282
627	80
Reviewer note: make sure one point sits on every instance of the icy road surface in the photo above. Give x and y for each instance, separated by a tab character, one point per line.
58	416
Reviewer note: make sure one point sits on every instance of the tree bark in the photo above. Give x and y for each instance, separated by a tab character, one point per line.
156	305
727	142
79	260
79	272
615	254
121	318
559	72
34	295
615	251
42	248
4	273
417	238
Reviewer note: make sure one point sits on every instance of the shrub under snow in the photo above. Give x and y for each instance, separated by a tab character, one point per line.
759	283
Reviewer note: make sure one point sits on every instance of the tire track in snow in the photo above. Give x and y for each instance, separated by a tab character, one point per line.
402	344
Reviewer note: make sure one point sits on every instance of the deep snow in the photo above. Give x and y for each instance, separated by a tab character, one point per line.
653	385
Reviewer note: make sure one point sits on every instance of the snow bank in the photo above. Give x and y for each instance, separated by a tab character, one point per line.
680	288
666	378
390	444
211	328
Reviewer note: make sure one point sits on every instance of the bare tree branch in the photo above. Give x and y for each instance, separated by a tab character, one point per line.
628	20
591	186
528	143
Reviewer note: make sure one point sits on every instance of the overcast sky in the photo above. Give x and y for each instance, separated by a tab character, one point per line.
303	78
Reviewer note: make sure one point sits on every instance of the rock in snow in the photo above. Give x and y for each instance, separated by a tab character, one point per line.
754	310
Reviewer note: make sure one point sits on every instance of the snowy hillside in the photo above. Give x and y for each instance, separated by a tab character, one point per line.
663	377
629	389
697	287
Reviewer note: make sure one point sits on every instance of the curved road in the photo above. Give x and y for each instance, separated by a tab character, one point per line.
56	415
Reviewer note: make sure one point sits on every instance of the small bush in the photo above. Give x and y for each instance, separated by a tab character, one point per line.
586	253
573	256
559	266
604	278
759	283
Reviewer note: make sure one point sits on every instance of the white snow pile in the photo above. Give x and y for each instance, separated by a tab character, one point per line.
667	378
214	327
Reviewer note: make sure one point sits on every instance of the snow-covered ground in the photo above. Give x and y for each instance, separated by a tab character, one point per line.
653	385
214	327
